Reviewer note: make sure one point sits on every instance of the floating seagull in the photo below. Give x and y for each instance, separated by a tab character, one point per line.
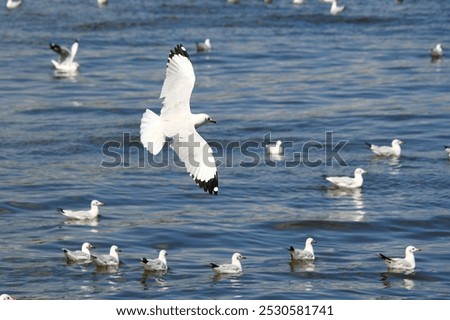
102	2
297	1
233	1
83	215
348	182
108	260
437	52
11	4
447	149
178	123
204	46
275	148
79	256
407	263
159	264
386	151
66	57
233	268
335	9
305	254
5	296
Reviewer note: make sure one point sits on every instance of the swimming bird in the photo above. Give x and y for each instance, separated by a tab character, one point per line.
335	9
233	268
108	260
66	61
102	2
83	215
437	51
386	151
447	149
348	182
407	263
233	1
204	46
178	123
79	256
5	296
305	254
297	1
12	4
275	148
159	264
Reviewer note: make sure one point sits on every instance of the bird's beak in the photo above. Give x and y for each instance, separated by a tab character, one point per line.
418	249
243	257
213	121
101	204
314	241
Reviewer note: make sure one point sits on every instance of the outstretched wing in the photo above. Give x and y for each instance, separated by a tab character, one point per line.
198	159
63	52
177	89
73	50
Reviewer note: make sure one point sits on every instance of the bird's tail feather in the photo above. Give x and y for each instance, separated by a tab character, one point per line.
152	134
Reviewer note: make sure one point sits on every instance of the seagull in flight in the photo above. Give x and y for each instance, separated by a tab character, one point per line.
66	57
176	122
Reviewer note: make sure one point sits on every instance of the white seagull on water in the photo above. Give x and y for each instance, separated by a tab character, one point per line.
349	182
233	268
158	264
204	46
83	215
275	148
407	263
66	61
305	254
11	4
386	151
447	150
437	51
5	296
335	9
79	256
178	123
108	260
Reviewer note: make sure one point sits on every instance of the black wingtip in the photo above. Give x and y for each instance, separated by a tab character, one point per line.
211	186
291	248
178	50
368	144
55	47
213	265
144	260
60	210
64	250
382	256
446	147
